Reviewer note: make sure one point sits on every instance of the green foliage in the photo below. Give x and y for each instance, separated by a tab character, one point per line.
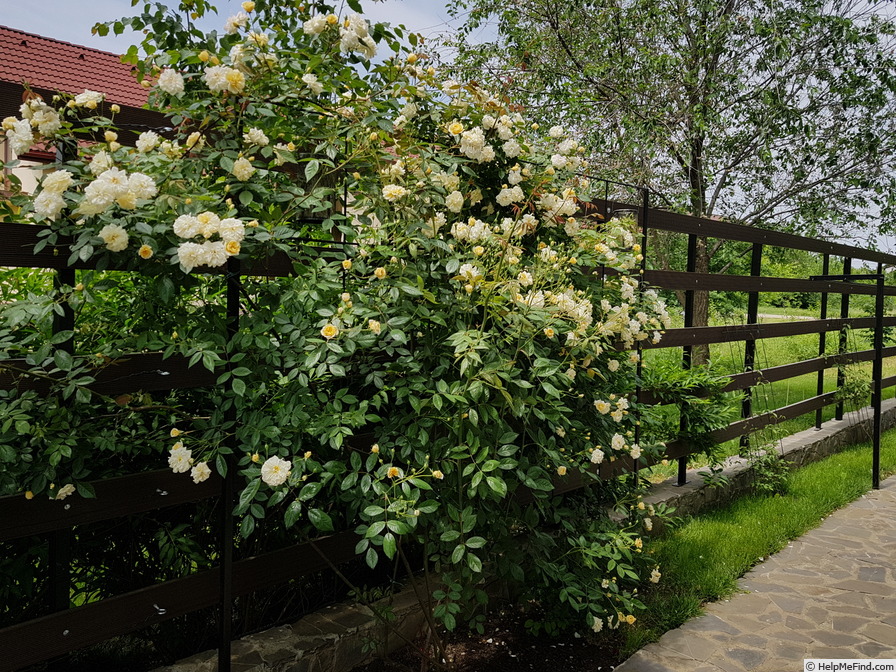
696	394
446	354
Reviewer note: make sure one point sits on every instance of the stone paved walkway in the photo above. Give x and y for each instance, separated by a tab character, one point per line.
829	594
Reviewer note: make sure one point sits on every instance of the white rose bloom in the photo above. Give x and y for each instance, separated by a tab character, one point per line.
597	456
275	471
100	163
243	169
556	132
222	78
392	192
49	204
528	224
315	25
115	237
255	136
558	161
57	181
148	141
231	229
525	279
636	452
235	22
568	146
455	201
312	83
215	254
20	136
504	198
470	272
186	226
88	98
613	365
512	148
618	442
171	82
180	459
142	186
190	255
200	472
65	491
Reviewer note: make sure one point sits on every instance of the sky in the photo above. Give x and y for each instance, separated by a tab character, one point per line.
71	20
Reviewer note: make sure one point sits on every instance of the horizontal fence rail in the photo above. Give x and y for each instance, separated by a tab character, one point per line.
710	228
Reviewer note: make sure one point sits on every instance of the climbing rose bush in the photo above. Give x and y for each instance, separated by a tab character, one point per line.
428	379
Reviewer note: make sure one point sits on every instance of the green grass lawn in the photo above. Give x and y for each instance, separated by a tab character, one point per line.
703	558
728	358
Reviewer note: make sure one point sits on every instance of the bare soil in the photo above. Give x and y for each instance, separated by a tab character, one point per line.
506	646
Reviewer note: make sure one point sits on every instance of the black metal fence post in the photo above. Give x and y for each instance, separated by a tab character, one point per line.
687	350
841	348
228	482
822	339
642	267
746	409
876	375
60	542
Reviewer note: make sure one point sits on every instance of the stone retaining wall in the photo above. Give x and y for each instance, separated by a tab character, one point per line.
338	638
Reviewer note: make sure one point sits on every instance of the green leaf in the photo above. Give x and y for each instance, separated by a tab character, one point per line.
458	553
63	360
311	169
247	526
309	491
474	563
321	520
371	557
247	496
497	484
475	542
389	545
239	387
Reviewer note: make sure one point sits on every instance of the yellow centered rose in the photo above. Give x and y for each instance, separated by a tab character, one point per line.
329	331
380	273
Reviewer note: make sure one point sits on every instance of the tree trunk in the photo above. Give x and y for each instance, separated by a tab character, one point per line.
700	353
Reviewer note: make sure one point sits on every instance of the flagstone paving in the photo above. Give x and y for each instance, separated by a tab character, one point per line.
829	594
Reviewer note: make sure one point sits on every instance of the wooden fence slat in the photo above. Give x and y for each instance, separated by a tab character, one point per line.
678	223
56	634
59	633
148	372
740	381
115	497
747	283
738	332
19	240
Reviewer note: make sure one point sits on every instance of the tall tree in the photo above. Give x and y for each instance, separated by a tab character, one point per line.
766	112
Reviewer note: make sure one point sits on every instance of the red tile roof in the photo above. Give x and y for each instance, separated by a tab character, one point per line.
45	63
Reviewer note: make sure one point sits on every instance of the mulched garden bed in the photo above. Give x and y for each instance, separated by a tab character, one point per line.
506	646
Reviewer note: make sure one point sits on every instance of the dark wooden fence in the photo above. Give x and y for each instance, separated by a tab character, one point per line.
68	629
